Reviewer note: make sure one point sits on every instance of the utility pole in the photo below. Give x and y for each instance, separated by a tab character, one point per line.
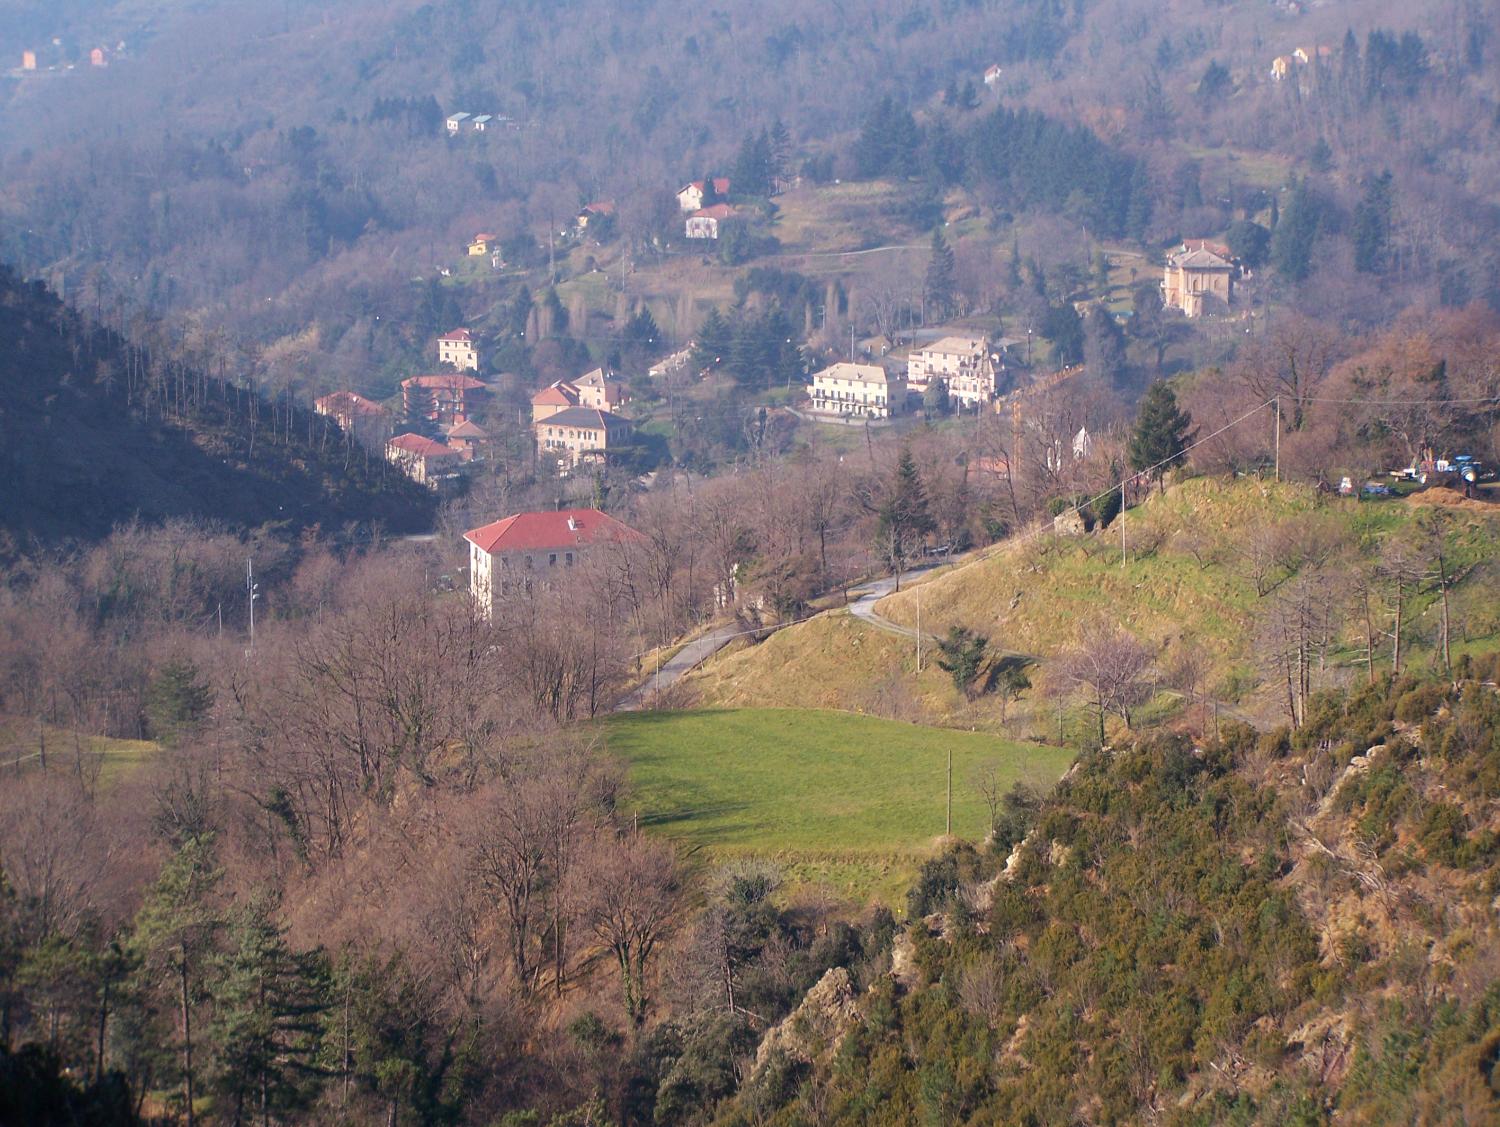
1121	519
948	830
919	629
252	593
1278	438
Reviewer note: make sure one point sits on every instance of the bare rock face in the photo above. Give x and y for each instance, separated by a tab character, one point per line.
815	1028
1069	522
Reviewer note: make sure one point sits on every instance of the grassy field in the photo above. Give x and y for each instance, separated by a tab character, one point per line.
23	744
851	803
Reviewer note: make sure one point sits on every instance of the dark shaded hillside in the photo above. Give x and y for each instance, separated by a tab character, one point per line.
96	431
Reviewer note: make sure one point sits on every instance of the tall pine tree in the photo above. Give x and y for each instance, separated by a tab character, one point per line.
940	282
1162	433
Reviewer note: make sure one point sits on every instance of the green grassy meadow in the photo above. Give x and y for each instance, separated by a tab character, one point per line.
848	802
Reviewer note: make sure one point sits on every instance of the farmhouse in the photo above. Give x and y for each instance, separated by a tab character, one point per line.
450	398
456	122
457	348
599	209
421	459
859	390
706	222
992	75
1199	278
527	548
481	244
578	433
362	419
690	196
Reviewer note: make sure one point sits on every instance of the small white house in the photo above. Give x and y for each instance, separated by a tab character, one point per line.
456	121
479	122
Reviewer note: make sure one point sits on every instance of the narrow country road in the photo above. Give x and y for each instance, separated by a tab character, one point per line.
869	594
692	655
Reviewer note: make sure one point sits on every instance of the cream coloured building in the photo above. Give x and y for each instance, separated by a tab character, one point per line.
1198	279
860	390
963	363
457	348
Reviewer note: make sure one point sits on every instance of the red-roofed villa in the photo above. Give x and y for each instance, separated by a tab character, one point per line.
526	546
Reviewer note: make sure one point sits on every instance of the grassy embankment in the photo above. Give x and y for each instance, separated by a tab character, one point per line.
1187	580
848	803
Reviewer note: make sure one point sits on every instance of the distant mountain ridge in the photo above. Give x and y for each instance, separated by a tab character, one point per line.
96	431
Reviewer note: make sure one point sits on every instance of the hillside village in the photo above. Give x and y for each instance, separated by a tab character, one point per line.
767	565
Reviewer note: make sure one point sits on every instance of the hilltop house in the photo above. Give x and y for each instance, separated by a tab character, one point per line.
422	459
707	222
456	122
1199	278
481	244
964	364
690	196
858	390
577	434
457	348
453	398
992	75
364	420
527	548
479	122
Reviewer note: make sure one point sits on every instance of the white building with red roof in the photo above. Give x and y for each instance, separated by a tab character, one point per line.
526	548
690	196
457	348
708	222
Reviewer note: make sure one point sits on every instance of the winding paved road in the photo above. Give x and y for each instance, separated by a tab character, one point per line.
869	594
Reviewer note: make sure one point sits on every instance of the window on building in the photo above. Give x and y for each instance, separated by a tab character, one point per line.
568	559
552	559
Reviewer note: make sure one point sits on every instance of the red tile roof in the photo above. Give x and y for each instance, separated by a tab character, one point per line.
446	383
420	446
457	334
568	528
347	403
467	429
559	394
717	211
600	207
721	185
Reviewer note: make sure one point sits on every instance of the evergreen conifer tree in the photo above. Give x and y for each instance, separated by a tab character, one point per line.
940	279
1162	433
904	518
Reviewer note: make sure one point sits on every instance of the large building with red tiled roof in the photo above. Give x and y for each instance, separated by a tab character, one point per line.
420	458
450	398
529	547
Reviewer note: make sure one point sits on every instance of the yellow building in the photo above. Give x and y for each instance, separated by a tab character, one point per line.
858	390
1199	278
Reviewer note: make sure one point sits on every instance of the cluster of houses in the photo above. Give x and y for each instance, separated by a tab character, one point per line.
53	58
970	368
464	122
706	220
575	421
